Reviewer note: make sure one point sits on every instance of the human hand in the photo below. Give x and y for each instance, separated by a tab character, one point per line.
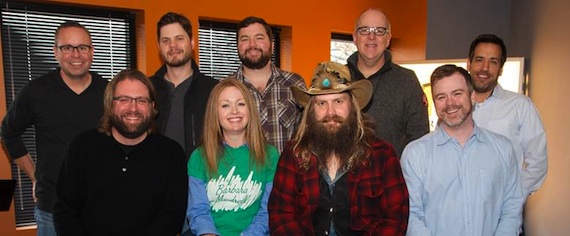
34	192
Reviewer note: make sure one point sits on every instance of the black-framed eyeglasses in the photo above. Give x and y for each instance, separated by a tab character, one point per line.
82	48
124	100
378	31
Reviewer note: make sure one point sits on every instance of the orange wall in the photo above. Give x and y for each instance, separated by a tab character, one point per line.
311	23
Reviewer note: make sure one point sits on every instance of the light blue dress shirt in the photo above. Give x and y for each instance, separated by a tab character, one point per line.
467	191
514	116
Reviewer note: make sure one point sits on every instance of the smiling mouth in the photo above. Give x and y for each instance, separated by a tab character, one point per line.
235	119
452	109
132	119
482	76
253	51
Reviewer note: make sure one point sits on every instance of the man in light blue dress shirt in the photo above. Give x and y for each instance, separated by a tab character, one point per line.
507	113
462	179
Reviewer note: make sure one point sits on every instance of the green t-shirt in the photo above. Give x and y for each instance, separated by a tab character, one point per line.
235	192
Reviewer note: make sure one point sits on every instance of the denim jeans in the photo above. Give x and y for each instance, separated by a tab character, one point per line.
44	222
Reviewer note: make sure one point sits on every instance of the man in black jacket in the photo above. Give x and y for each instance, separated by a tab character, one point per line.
182	91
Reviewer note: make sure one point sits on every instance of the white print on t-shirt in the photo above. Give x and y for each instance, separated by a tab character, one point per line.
231	193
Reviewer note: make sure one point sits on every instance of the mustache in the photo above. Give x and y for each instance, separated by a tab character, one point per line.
254	49
174	51
130	113
334	118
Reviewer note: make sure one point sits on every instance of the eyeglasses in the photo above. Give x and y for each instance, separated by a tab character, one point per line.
124	100
378	31
68	49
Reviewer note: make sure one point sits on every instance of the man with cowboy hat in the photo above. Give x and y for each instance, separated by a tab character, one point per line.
335	177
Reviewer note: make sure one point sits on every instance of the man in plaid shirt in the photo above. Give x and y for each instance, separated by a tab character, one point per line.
335	177
268	84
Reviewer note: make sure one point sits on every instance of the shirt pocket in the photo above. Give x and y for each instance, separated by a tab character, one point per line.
368	194
301	200
488	189
287	112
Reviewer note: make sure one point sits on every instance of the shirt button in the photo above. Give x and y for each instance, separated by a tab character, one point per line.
124	169
326	232
126	158
331	210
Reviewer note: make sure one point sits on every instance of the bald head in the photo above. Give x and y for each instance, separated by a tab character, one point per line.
372	15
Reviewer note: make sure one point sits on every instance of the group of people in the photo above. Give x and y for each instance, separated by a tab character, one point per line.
259	153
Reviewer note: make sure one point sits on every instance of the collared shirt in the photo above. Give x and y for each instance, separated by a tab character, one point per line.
470	190
514	116
278	111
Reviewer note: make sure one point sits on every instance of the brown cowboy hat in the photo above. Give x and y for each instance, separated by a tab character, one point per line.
332	77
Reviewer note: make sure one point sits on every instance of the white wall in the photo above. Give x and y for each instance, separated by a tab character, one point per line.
540	28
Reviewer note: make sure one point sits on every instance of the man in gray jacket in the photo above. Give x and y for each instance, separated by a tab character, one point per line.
399	105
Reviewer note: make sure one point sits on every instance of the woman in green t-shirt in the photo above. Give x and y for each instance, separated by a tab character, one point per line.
231	173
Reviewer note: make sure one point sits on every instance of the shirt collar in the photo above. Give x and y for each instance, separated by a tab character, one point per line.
274	73
228	146
498	92
441	137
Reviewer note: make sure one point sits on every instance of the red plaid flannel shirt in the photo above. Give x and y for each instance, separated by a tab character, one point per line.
377	189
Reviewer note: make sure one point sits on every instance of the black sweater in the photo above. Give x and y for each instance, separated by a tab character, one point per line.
57	114
102	190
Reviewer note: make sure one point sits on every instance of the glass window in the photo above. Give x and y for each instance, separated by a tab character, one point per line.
341	47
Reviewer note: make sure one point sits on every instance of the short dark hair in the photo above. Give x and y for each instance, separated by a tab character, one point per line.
250	20
489	38
448	70
70	24
171	18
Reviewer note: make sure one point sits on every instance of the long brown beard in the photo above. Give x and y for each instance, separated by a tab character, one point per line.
325	142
